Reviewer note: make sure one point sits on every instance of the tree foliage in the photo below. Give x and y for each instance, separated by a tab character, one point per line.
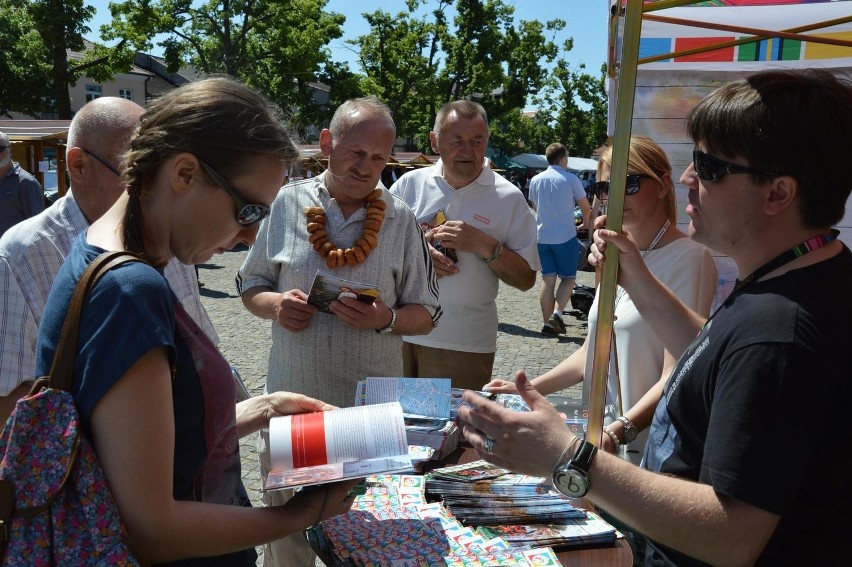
475	49
277	46
37	35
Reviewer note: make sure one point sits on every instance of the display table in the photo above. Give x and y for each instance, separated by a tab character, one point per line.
616	555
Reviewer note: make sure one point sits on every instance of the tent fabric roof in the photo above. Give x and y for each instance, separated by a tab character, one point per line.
532	161
582	164
23	130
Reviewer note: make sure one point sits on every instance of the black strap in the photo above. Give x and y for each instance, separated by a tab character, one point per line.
62	369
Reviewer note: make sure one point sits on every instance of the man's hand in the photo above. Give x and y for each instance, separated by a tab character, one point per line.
444	266
293	312
359	315
459	235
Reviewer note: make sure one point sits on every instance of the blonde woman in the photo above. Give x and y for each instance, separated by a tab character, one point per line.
639	360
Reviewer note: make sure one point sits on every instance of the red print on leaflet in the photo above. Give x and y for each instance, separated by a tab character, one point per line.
482	219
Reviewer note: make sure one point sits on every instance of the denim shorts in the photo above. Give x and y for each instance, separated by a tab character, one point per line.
559	259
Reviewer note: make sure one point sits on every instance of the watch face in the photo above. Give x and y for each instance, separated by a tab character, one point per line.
571	482
629	434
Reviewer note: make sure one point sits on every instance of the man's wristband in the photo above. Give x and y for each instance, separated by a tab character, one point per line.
498	251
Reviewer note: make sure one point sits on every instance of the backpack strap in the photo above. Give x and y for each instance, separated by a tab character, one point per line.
62	369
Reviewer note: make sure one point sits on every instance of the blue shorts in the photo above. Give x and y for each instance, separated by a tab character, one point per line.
559	259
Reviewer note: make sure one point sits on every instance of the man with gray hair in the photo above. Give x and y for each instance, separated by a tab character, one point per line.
481	232
21	195
32	251
346	224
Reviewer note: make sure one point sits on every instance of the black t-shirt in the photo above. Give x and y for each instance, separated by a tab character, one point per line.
757	407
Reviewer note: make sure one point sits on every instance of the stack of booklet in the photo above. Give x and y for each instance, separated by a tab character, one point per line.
522	509
426	405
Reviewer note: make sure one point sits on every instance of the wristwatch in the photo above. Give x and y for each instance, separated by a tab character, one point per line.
572	478
630	431
498	251
389	328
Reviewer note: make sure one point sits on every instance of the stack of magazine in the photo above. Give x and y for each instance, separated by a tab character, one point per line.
426	406
523	510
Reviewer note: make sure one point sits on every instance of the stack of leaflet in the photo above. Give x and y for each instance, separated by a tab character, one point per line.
426	409
576	415
515	506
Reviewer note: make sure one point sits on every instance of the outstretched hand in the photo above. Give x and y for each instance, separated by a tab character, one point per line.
525	442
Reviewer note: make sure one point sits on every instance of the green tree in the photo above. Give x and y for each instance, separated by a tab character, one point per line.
44	31
277	46
418	63
577	103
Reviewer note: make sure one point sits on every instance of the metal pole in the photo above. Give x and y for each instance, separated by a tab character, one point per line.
615	210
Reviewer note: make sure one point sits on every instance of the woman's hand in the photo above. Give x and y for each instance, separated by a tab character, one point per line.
254	413
320	503
500	386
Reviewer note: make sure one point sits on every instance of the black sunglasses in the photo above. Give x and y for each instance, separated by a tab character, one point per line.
631	187
710	168
105	164
248	214
3	148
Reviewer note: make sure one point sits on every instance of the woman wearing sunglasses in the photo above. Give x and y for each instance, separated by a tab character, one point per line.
155	397
638	360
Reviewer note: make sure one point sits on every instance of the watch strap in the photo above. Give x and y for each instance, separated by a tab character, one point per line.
630	429
389	327
584	456
498	251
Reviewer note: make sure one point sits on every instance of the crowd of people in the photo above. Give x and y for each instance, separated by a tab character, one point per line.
697	460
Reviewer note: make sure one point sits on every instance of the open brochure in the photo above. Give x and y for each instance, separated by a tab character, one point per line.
419	397
315	448
326	288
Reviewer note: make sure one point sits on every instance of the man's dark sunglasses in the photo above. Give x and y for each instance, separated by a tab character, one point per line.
710	168
105	164
3	148
631	187
248	214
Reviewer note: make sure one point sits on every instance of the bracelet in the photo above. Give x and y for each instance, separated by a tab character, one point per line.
565	451
614	438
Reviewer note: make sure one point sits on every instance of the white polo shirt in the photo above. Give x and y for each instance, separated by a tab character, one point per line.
493	205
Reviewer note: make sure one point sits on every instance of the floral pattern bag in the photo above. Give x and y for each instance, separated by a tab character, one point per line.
56	507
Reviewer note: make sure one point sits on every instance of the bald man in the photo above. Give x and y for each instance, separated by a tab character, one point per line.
32	251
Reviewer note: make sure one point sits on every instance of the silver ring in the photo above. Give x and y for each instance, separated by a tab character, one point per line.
489	445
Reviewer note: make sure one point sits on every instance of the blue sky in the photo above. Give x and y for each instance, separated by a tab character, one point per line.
587	21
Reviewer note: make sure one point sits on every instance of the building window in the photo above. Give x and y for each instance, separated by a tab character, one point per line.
93	92
125	93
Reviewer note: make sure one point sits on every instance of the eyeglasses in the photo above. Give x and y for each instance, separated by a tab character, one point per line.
3	149
105	164
709	168
631	187
248	214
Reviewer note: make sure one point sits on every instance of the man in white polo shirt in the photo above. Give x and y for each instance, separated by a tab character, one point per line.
481	232
554	194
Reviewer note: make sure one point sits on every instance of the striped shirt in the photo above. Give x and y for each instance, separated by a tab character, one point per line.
326	360
31	253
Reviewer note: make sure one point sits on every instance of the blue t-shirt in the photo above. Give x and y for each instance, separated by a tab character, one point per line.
130	311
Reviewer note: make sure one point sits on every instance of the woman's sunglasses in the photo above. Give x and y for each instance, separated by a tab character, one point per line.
710	168
631	188
248	214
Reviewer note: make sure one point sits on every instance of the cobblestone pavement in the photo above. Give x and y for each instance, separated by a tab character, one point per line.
245	340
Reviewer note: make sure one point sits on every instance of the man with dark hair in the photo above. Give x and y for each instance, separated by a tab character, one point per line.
21	195
746	459
481	232
554	194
